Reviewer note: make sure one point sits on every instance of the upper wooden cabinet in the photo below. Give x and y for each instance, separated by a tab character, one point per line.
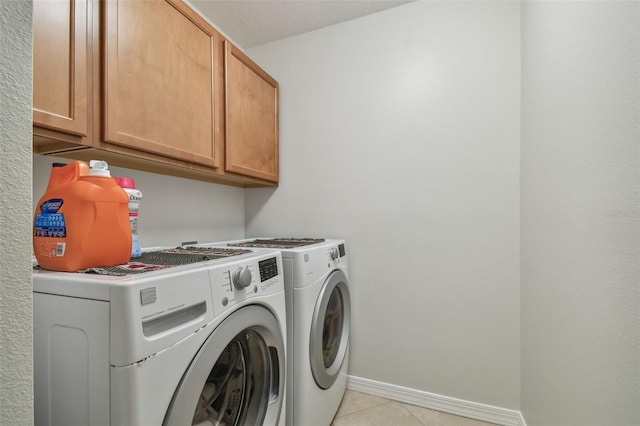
61	66
251	117
151	85
161	93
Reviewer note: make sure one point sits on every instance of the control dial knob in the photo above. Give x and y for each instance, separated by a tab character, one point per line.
333	252
241	278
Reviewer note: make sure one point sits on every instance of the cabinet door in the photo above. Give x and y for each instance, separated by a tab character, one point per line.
61	48
160	89
251	109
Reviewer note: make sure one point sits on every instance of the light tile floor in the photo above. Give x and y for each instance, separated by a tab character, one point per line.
361	409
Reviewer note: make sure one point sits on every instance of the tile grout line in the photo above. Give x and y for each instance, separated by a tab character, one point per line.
388	401
411	414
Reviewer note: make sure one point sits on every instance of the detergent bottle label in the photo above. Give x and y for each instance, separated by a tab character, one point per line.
50	223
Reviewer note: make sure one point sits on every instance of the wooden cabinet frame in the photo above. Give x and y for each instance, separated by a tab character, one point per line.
239	150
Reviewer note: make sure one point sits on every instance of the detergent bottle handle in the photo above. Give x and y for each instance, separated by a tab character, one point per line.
64	173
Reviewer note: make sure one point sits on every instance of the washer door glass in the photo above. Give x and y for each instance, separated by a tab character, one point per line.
235	390
237	378
329	338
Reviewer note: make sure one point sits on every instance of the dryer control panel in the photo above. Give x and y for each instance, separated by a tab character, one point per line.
240	280
313	263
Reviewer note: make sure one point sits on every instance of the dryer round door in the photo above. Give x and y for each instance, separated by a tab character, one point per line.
330	325
237	377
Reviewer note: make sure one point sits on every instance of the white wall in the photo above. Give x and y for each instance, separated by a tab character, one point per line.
400	133
581	213
16	384
173	209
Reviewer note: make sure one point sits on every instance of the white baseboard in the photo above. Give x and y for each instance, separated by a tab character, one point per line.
447	404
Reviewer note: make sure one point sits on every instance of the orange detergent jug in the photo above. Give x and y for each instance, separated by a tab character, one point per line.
82	220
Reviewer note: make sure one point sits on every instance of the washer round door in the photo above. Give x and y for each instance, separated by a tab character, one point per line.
330	325
237	376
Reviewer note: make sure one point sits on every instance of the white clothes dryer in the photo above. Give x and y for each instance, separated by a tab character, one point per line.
318	325
196	344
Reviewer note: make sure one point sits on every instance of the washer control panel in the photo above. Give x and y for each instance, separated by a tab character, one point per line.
237	281
268	268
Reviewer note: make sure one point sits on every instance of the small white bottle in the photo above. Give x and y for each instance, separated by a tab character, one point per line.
135	198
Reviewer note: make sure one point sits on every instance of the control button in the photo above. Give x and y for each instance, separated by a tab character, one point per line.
333	252
225	301
241	278
255	288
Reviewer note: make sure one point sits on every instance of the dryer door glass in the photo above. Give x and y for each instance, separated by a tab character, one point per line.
237	376
332	327
330	324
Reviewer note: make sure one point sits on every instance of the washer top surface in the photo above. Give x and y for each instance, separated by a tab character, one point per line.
153	310
159	263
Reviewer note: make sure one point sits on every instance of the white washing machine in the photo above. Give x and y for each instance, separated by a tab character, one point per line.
318	324
196	344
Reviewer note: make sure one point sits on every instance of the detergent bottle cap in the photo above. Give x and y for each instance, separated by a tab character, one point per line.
99	168
125	182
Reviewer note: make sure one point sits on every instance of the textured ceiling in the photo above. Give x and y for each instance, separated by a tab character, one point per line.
252	22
